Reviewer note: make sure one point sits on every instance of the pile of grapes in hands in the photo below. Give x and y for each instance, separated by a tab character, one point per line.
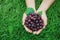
34	22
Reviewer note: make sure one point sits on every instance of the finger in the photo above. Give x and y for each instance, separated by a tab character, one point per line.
37	32
28	30
23	19
44	17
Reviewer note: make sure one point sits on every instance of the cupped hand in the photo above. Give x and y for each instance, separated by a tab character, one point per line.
44	17
23	21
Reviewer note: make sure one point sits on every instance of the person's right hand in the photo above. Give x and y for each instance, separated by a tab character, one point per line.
29	4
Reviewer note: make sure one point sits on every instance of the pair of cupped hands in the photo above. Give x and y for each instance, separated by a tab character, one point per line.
43	7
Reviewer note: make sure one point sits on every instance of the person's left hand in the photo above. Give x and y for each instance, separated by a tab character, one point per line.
44	17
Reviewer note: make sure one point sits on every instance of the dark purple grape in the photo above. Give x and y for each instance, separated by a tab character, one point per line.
34	22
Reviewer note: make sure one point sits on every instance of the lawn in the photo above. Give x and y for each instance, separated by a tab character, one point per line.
11	28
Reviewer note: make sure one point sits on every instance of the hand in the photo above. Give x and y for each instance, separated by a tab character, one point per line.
29	4
23	20
44	6
44	17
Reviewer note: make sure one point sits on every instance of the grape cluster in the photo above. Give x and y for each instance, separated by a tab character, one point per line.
34	22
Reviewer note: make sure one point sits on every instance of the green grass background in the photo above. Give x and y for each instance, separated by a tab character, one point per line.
11	28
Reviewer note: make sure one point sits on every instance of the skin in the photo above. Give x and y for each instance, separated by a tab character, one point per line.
43	7
23	20
30	4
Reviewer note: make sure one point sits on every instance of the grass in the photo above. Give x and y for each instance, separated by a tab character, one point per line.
11	28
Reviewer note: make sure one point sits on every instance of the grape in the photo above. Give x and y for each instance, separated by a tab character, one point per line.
34	22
